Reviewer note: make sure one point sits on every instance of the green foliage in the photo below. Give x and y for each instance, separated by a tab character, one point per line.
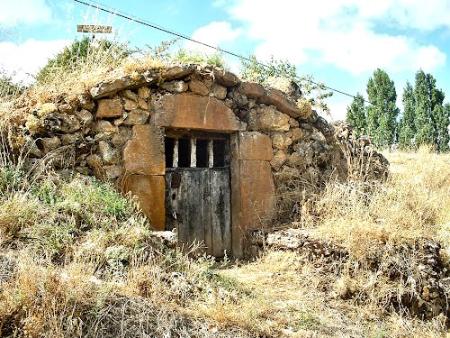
442	121
382	112
407	128
424	108
84	50
9	88
431	117
357	115
187	57
255	71
160	52
10	179
92	197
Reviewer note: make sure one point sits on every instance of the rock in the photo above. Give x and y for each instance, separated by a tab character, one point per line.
149	191
137	116
239	100
318	136
34	150
144	152
144	93
175	86
142	104
267	118
113	171
95	163
192	111
281	140
324	127
85	117
293	123
276	98
130	95
252	90
219	91
111	87
297	134
130	105
109	108
254	146
70	124
198	87
105	127
226	78
278	160
86	101
70	138
121	137
107	153
65	108
50	143
177	72
33	124
119	121
46	109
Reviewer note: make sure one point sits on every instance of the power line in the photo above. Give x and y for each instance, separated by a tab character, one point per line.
129	17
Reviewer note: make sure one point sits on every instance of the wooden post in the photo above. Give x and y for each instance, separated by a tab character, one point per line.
210	154
193	152
175	153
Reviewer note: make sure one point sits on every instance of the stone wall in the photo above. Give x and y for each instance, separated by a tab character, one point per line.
115	131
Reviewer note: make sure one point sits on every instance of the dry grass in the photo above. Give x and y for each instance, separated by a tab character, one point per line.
414	203
287	293
77	259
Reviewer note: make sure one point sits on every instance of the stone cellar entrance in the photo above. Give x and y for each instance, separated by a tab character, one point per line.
198	198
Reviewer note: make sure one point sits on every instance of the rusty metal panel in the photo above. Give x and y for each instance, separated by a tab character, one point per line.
198	205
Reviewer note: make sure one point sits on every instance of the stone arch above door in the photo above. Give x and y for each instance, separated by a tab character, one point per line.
190	111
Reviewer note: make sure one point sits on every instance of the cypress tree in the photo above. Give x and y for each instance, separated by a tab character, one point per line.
382	112
357	116
407	127
431	118
423	122
442	123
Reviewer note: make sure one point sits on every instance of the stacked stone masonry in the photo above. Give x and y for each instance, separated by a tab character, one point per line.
116	132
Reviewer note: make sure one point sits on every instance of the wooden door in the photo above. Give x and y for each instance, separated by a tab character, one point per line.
198	191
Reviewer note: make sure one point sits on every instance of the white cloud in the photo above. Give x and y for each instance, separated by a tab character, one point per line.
25	59
214	34
23	11
338	110
343	32
418	14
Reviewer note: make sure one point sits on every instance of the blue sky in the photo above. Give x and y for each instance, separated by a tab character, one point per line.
339	42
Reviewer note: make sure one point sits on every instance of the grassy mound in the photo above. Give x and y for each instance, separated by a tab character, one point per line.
78	259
